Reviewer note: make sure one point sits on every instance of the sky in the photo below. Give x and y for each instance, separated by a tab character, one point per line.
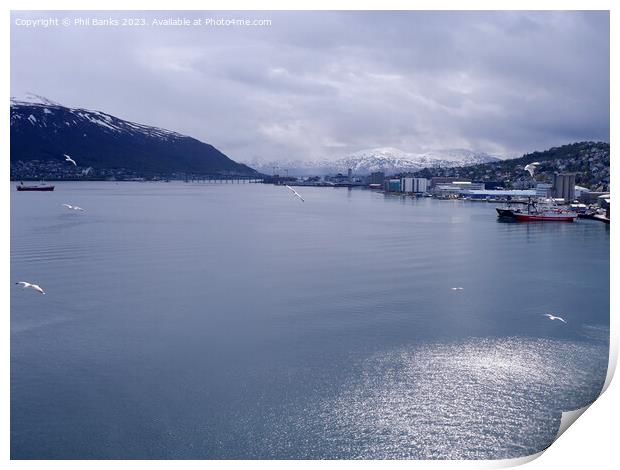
322	85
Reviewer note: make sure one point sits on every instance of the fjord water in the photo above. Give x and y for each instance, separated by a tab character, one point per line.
234	321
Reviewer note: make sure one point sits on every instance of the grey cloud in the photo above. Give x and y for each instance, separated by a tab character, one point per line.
320	84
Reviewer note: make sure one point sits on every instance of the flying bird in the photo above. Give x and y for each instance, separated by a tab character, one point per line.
75	208
28	285
69	159
295	193
553	317
87	171
457	288
531	168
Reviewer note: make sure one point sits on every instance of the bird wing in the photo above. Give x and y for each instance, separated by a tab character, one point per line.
561	319
24	283
295	192
69	206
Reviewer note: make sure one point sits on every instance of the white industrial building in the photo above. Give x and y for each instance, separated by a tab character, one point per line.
457	187
544	190
413	185
497	193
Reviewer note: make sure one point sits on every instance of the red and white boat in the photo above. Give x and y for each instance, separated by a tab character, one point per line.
539	213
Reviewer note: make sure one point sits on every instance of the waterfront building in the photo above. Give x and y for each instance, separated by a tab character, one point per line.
579	190
544	190
376	177
456	187
497	193
591	197
392	185
564	186
420	185
437	180
604	200
413	185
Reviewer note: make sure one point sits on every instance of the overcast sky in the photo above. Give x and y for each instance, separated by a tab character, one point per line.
325	84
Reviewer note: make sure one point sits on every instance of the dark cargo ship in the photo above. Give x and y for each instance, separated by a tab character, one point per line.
34	187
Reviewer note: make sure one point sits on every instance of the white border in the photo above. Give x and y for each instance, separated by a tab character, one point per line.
591	443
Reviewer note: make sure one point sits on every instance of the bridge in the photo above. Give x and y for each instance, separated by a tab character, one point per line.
224	179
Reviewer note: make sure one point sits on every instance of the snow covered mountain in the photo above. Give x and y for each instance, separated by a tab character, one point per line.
387	159
44	130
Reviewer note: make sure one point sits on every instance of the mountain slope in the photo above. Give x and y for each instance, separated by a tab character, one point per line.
389	160
45	130
590	161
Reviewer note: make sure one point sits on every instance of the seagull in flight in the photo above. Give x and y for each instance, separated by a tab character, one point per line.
28	285
87	171
295	193
457	288
553	317
75	208
69	159
531	168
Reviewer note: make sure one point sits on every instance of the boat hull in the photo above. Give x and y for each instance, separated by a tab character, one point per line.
545	218
35	188
508	213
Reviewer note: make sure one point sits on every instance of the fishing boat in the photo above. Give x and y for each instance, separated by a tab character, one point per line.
536	212
34	187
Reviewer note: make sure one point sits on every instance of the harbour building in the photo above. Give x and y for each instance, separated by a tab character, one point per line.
376	177
392	185
495	194
456	187
564	186
544	190
413	185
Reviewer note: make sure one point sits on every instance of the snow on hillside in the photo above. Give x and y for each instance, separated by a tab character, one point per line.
41	112
386	159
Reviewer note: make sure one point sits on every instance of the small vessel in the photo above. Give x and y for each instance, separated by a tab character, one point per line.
509	213
34	187
538	213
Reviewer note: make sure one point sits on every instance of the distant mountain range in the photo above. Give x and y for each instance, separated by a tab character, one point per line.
364	162
43	130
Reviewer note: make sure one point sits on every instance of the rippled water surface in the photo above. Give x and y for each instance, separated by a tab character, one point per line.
235	321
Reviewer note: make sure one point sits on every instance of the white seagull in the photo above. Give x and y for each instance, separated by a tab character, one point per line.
75	208
295	193
69	159
531	168
457	288
87	171
28	285
553	317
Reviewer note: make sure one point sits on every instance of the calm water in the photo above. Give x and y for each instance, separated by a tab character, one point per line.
235	321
